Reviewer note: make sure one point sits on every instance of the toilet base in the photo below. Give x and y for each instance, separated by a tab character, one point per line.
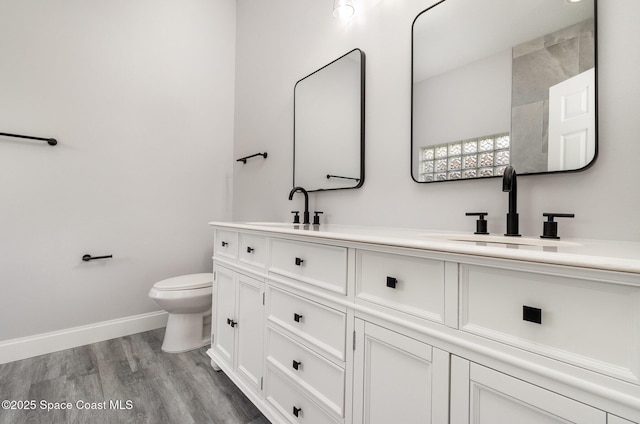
186	332
215	366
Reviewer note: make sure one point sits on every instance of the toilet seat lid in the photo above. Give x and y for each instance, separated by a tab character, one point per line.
185	282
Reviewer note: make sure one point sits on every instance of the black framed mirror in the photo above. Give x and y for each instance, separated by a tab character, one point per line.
328	140
503	82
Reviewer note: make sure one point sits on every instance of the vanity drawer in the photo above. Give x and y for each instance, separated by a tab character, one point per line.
226	244
296	405
592	324
320	377
253	250
323	327
317	264
405	283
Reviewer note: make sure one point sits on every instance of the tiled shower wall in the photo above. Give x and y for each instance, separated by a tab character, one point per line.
537	65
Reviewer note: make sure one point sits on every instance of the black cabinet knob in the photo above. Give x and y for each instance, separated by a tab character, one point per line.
296	364
392	282
250	249
297	411
532	314
297	317
224	244
231	322
299	261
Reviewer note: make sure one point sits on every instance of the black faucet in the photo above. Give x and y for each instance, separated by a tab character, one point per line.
306	202
509	184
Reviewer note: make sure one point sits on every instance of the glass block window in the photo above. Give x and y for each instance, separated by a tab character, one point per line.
485	156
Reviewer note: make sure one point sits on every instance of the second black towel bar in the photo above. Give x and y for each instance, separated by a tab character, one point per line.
344	178
88	258
244	159
50	141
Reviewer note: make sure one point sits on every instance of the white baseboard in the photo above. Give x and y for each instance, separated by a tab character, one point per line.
40	344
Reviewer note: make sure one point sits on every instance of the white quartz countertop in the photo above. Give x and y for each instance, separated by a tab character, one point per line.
610	255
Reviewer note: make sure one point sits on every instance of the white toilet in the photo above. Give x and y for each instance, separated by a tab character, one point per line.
187	299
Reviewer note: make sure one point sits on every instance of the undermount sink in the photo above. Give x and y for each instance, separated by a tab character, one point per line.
285	225
488	238
273	224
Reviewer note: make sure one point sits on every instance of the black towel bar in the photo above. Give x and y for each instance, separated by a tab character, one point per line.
345	178
50	141
244	159
88	258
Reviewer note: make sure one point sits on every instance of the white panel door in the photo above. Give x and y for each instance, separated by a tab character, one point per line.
572	123
249	328
490	397
613	419
398	379
224	313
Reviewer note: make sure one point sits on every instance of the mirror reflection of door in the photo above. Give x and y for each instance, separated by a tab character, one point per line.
572	122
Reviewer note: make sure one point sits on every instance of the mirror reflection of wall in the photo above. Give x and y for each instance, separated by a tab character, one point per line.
484	70
328	126
467	104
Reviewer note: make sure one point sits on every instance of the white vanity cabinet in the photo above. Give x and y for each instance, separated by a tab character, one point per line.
306	350
481	395
238	325
589	321
613	419
312	264
237	339
410	285
354	326
398	379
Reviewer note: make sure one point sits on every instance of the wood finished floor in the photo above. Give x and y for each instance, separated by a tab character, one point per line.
178	388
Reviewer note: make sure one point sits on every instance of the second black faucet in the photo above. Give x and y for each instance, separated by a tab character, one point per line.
510	185
306	202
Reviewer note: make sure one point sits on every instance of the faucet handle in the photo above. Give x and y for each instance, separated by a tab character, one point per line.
550	227
316	217
296	217
481	223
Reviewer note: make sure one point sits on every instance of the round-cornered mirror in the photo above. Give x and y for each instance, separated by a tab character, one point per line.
503	82
328	140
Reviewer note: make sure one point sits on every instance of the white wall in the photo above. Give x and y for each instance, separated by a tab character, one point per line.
471	101
282	40
139	94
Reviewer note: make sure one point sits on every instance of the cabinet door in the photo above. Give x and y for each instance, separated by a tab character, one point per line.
480	395
612	419
249	331
398	379
224	313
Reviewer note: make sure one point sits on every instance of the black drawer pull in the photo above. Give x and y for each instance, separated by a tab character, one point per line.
250	249
532	314
297	317
231	322
225	244
296	364
297	411
391	282
299	261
